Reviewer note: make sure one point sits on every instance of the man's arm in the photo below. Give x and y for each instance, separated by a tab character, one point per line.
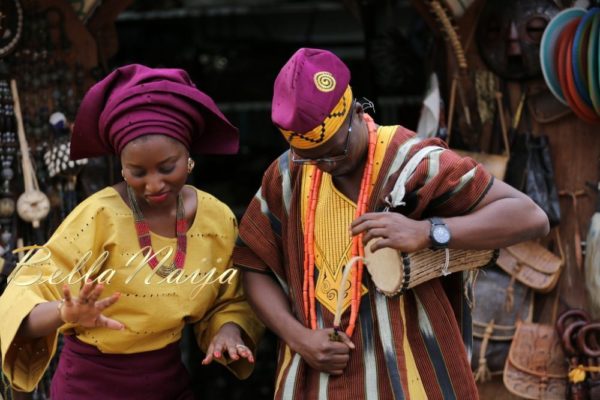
504	217
271	305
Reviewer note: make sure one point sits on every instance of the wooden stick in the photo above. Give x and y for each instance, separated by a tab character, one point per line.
502	122
27	166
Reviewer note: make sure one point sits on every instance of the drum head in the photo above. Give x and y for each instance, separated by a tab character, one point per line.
385	267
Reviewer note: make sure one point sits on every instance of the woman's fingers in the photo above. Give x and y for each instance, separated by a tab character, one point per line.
86	290
244	352
218	350
95	293
209	355
103	304
233	351
67	295
237	350
109	323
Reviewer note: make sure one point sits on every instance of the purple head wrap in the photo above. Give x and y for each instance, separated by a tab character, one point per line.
135	100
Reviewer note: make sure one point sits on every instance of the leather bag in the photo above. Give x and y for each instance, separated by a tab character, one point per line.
493	325
530	170
531	264
536	367
496	164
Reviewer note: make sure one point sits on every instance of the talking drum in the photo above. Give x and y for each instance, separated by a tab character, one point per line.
394	272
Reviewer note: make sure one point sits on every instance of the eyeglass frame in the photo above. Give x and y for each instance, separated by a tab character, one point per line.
326	160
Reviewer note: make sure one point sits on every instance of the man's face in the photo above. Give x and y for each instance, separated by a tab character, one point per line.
337	155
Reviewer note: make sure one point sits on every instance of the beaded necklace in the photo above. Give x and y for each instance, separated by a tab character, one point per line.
308	287
143	233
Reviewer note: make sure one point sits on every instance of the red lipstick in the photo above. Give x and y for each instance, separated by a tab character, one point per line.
157	198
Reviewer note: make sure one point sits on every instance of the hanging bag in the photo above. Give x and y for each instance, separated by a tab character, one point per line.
532	264
493	325
530	170
536	368
496	164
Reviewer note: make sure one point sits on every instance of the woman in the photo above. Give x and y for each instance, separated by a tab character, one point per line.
107	279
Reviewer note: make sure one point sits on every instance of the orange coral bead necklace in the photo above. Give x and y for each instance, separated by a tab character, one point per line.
308	289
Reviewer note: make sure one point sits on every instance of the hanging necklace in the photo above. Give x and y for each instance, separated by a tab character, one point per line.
143	233
308	289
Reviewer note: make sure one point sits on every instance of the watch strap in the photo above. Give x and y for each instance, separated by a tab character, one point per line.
436	221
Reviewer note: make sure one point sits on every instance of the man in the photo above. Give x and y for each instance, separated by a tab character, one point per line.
310	212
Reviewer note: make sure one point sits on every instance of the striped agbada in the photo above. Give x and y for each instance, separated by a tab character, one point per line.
405	345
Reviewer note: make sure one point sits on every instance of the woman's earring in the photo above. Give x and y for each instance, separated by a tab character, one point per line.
190	166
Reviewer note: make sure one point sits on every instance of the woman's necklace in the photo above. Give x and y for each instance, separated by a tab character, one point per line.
143	233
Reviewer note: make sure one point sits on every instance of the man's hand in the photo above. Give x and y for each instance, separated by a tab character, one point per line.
392	230
323	354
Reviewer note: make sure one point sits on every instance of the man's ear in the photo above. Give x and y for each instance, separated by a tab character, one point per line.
359	109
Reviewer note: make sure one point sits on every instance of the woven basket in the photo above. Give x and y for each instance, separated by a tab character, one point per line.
393	273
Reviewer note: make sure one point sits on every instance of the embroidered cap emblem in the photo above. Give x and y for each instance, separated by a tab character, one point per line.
324	81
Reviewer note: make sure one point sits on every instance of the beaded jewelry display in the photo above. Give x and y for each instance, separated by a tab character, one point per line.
8	137
143	233
308	290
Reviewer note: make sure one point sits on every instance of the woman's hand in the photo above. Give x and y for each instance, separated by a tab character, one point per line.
86	310
229	340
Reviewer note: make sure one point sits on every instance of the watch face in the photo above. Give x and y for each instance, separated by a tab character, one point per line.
441	234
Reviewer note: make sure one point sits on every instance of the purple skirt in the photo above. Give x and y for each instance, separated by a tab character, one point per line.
84	372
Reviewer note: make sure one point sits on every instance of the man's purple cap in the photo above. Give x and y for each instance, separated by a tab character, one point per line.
304	92
136	100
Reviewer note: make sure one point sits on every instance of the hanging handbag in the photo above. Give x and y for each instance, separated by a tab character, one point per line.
496	164
536	367
532	264
493	325
530	170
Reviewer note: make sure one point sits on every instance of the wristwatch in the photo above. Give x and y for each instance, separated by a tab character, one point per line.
439	233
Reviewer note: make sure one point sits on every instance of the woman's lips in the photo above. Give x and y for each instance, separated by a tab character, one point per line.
157	198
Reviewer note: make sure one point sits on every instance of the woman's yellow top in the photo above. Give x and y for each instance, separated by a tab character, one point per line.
98	240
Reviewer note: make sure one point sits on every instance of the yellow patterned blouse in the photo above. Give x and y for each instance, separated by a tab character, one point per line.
154	309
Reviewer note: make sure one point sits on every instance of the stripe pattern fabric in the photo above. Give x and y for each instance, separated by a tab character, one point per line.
431	318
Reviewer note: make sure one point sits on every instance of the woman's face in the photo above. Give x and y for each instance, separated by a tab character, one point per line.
155	167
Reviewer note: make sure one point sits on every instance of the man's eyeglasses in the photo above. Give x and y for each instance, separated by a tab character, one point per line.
326	160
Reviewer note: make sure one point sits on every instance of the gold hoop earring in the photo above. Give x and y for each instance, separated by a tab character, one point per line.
190	165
